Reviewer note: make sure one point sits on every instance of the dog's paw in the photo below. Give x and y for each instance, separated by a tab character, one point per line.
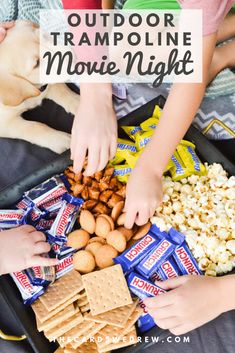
60	142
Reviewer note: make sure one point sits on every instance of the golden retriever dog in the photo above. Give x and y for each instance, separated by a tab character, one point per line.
20	90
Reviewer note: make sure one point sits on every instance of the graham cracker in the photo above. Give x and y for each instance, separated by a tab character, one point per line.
75	333
106	289
82	301
87	347
132	320
65	326
116	317
128	340
90	333
84	309
110	333
43	314
82	294
64	314
62	290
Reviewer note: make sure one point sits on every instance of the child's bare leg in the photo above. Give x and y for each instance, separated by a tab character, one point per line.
224	56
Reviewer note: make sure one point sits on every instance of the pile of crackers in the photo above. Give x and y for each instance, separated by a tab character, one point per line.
90	313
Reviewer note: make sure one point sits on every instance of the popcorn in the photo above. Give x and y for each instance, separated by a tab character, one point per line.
203	208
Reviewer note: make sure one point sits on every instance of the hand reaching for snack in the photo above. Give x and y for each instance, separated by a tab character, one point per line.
3	29
22	248
192	302
143	194
95	130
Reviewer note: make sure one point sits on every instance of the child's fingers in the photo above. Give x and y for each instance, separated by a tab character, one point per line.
131	214
79	156
43	261
41	248
142	217
93	159
113	148
104	156
27	228
38	237
172	283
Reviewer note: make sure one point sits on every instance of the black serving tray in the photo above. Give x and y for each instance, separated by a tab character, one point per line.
9	294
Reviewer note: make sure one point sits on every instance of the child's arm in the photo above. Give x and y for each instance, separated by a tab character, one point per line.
94	130
191	302
22	248
144	186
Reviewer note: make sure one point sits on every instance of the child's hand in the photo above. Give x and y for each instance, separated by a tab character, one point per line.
192	302
22	248
143	195
3	29
94	132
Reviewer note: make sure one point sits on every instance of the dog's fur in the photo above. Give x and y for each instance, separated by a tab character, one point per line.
19	90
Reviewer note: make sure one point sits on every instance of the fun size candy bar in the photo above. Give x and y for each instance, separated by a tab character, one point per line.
53	205
23	204
65	220
160	253
167	270
65	265
28	291
132	256
142	287
186	262
11	218
47	191
44	224
61	251
41	276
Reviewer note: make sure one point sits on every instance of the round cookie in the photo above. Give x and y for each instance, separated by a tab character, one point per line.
84	261
78	239
117	240
93	247
103	227
87	221
117	210
121	219
105	255
142	231
128	233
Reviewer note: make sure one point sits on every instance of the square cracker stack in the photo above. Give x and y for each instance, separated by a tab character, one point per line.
93	313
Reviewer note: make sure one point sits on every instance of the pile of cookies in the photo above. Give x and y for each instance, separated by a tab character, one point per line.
102	239
102	235
89	313
101	192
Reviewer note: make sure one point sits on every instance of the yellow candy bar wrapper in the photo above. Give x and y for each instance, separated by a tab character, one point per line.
186	151
131	131
118	159
149	124
157	112
177	168
122	172
132	159
125	145
142	139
